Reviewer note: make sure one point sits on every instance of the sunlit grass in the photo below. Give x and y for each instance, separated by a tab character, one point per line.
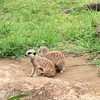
27	24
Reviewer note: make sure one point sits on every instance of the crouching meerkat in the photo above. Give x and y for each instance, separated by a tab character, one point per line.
55	56
41	65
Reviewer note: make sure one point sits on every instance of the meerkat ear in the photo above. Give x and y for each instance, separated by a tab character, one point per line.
34	53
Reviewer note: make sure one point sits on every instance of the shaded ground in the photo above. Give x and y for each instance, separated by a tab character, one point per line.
77	70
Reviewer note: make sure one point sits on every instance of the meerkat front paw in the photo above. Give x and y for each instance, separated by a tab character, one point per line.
35	75
29	75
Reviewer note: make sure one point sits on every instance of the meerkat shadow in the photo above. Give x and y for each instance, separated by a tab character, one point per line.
57	69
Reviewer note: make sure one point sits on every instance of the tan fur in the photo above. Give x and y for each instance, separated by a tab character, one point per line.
41	65
55	56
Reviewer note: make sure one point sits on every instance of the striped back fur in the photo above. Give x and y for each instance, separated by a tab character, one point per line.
55	56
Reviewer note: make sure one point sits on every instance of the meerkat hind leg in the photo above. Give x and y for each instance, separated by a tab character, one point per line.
62	70
39	72
62	67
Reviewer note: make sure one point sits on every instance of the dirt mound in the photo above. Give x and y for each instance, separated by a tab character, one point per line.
78	82
40	88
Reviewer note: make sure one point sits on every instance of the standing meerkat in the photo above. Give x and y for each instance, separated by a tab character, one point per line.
41	65
55	56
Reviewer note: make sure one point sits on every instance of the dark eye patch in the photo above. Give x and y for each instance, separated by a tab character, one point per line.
34	53
29	53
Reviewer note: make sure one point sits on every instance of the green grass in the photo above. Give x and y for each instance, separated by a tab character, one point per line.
28	24
96	62
94	59
70	49
16	97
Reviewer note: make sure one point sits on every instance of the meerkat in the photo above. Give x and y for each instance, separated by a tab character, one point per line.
41	65
55	56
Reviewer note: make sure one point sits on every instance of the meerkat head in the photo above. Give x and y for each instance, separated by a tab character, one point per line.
30	53
43	50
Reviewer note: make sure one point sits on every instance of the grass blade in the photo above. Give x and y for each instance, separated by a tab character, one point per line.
18	96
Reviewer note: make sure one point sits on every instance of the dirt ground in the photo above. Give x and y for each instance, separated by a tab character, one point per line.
77	69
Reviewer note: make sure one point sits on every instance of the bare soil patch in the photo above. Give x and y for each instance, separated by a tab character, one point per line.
83	80
77	69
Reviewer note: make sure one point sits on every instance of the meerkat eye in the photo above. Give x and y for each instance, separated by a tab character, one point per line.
29	53
34	53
